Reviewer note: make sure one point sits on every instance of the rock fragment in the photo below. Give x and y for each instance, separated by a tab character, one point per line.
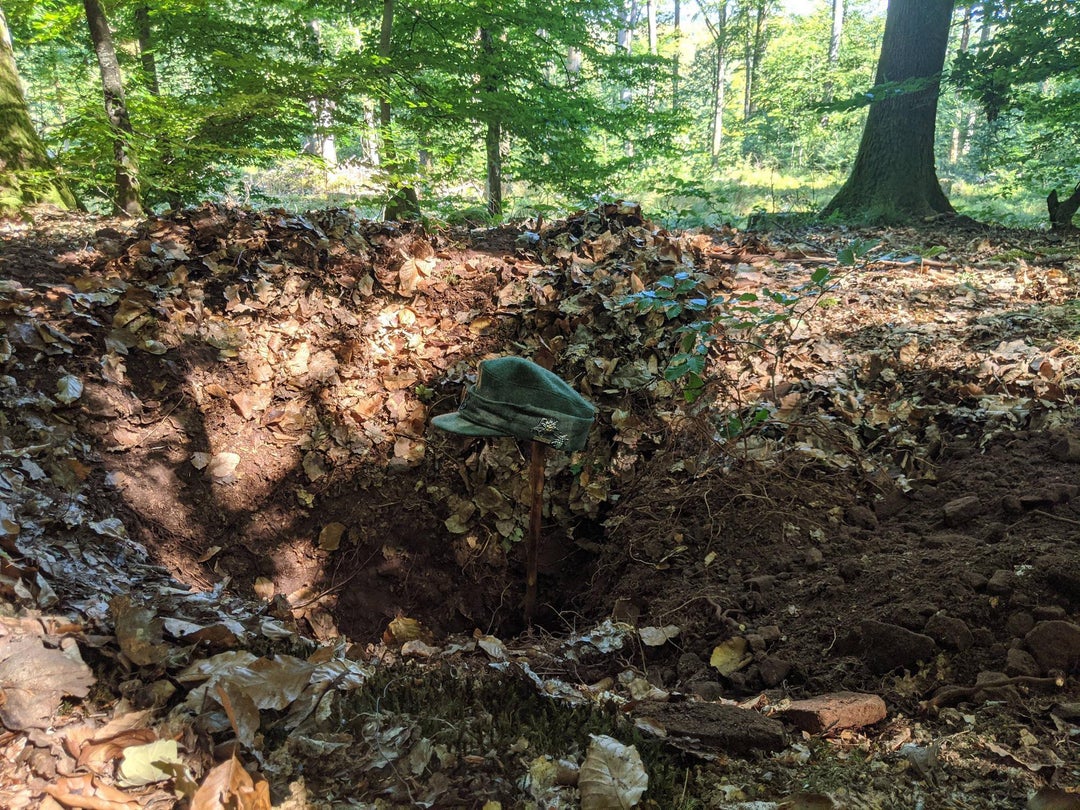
1019	624
1066	449
959	511
726	728
1055	645
949	632
774	670
1000	582
885	647
1020	662
833	712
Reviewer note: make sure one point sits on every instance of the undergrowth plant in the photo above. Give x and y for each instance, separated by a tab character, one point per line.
754	322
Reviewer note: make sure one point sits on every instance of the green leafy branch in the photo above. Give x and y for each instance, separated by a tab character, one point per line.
753	319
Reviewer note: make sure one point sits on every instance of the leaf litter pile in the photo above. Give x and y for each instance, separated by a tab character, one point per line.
822	548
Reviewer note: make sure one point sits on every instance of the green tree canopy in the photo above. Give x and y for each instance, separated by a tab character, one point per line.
1027	78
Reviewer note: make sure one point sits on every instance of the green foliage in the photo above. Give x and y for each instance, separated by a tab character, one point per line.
749	318
757	322
690	203
850	255
240	85
1024	77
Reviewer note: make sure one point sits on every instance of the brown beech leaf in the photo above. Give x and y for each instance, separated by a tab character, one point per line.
33	679
138	631
228	786
330	536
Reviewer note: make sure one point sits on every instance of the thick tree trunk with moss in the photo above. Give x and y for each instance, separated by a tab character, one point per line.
128	199
894	178
26	176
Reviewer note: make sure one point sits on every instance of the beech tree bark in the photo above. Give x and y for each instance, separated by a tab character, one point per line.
677	35
753	51
894	178
128	198
147	57
26	176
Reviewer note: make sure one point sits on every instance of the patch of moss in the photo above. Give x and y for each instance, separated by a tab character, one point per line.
487	715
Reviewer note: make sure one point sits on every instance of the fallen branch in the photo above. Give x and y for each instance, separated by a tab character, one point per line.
950	695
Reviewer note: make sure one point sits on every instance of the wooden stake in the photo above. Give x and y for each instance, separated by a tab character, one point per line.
536	488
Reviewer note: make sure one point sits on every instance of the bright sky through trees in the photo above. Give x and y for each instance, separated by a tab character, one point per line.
810	6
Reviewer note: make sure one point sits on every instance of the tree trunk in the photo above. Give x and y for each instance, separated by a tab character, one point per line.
573	63
128	199
955	142
893	178
1062	213
625	41
26	176
753	52
719	31
677	56
322	141
402	202
835	38
146	48
650	17
986	28
717	140
493	135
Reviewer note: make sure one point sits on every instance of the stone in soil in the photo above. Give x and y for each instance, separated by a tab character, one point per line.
1066	449
885	647
833	712
1055	645
774	670
1020	662
728	729
1063	575
963	510
1000	582
1019	624
949	632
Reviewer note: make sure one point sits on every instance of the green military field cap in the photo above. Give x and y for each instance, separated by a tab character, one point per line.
516	397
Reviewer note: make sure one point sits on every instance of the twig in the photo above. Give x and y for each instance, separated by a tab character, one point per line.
948	695
159	422
1055	517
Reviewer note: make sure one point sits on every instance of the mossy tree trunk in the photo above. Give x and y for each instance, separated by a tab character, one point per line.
26	175
894	178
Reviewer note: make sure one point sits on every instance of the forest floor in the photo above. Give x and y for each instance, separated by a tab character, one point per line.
239	568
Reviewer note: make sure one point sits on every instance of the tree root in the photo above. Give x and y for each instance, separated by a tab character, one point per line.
951	695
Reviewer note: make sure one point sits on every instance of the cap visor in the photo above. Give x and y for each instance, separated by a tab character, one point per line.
454	423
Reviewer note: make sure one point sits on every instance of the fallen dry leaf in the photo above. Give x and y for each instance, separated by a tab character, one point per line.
229	787
330	536
34	678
